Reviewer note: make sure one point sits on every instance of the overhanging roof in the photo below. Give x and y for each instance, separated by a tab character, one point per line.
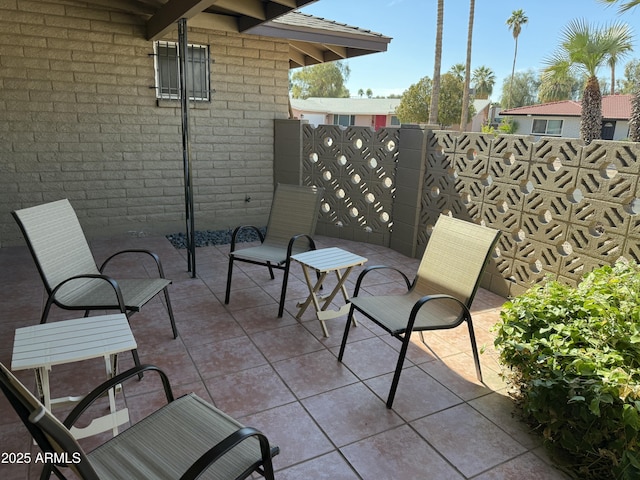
311	39
315	40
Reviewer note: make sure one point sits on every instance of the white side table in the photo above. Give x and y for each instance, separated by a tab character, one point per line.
42	346
325	261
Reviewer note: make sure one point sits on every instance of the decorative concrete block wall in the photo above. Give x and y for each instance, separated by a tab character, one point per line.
357	169
563	208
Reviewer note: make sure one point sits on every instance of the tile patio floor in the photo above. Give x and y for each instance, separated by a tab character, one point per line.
282	375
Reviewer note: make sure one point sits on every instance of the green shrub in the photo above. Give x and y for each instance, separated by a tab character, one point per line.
574	358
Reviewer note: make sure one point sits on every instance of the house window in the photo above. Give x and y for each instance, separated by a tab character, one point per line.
344	120
395	120
198	71
547	127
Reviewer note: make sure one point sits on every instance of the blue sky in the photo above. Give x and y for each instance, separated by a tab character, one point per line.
412	25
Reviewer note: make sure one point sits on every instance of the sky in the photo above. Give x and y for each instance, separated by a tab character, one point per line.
412	26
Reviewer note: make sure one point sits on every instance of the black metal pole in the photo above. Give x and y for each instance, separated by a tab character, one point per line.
186	147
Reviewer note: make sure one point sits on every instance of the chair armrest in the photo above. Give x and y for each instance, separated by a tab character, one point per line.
237	230
294	239
104	387
217	451
378	267
153	255
106	278
466	314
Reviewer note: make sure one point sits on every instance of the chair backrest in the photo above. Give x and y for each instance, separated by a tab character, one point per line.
454	259
56	241
52	436
294	211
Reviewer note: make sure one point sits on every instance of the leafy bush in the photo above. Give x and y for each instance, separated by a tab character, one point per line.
574	358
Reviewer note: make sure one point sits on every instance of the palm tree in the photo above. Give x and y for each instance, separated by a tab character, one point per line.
627	5
483	81
435	93
458	70
634	121
464	117
515	22
558	85
619	50
587	48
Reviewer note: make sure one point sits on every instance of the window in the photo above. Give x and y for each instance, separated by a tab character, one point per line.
344	120
167	78
395	120
547	127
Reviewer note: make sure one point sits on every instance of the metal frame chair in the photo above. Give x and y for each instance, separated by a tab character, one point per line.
69	272
292	222
187	438
441	294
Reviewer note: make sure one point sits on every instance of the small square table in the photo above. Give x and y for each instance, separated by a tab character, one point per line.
42	346
325	261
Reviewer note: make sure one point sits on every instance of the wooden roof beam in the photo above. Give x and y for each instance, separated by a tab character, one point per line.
172	11
308	49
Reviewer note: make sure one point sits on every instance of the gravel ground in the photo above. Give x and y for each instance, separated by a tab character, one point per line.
214	237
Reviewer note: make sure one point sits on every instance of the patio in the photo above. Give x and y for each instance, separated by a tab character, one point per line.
282	376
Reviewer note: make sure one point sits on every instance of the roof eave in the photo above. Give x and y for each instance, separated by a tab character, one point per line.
304	43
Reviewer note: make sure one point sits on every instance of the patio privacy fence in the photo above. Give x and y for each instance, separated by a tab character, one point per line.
563	207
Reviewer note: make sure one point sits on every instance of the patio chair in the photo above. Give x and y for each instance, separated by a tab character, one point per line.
441	294
292	222
69	272
184	439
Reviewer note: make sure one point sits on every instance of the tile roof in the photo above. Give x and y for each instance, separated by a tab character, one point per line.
614	107
299	19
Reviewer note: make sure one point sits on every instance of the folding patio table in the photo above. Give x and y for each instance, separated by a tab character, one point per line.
325	261
42	346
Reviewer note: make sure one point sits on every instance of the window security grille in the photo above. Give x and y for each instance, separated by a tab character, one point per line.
198	74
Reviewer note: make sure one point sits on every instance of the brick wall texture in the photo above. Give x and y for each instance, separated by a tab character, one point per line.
79	120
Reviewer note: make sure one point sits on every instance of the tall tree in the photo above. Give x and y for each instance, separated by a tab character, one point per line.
634	121
322	80
558	85
515	22
464	116
631	77
522	91
414	105
587	48
458	70
435	94
483	81
619	49
451	101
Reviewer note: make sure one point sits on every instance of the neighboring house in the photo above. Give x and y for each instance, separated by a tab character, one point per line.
481	117
366	112
89	106
362	112
562	119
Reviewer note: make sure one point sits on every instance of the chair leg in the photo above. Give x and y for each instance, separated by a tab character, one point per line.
346	333
47	308
283	292
170	310
396	376
474	349
270	270
229	274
